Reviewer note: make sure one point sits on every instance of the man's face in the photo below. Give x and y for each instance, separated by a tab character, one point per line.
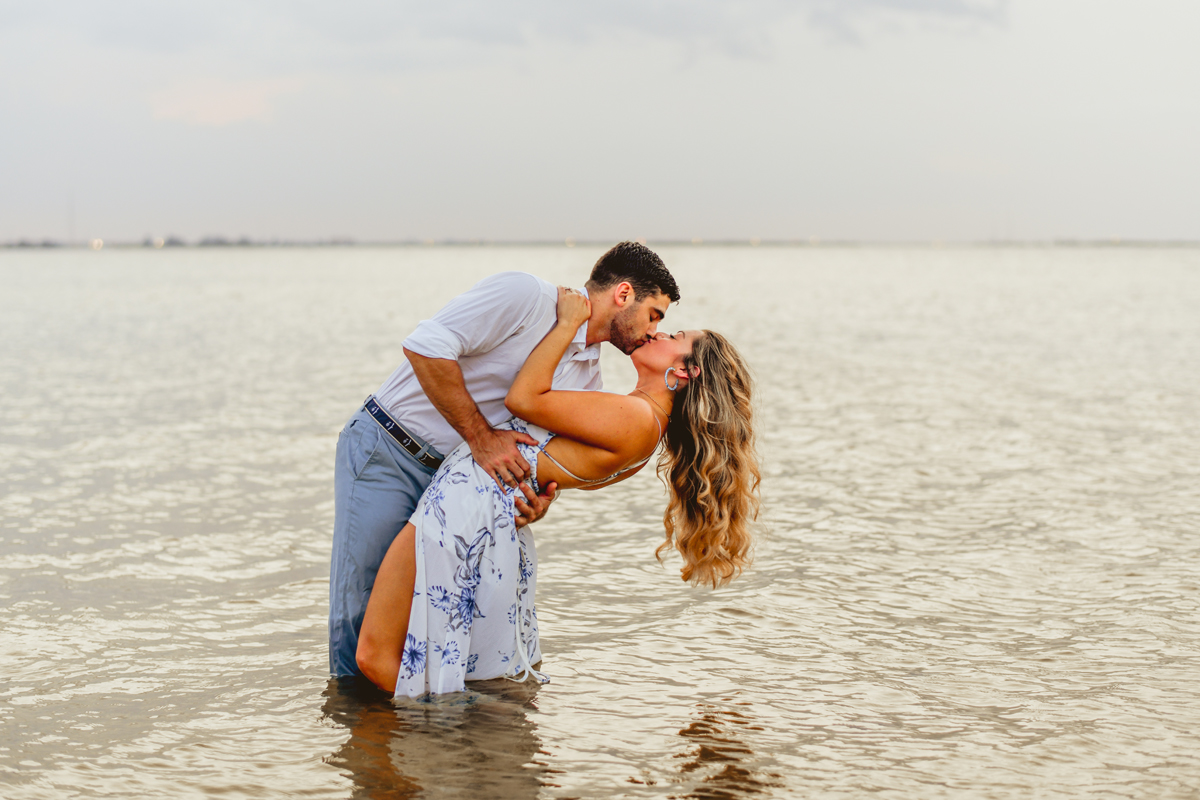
636	323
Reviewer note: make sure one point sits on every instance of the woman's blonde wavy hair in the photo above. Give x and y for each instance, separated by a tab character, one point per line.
710	465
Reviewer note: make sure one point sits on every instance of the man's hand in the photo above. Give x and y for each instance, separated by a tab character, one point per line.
496	451
532	507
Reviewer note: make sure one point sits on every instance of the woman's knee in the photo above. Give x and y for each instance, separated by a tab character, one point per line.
371	659
364	656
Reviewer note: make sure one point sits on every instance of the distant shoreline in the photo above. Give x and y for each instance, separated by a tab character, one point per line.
245	242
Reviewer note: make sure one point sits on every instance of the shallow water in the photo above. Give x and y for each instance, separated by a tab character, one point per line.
979	577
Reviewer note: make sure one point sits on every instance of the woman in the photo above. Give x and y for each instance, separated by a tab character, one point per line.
453	599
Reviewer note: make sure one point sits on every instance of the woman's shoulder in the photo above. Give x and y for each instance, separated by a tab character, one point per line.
646	427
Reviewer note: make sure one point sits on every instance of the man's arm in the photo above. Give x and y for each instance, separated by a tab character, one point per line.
495	451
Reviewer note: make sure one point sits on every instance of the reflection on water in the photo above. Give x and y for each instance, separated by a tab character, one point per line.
720	758
479	744
981	488
365	757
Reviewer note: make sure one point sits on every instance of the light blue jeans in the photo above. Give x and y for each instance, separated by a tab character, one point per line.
376	486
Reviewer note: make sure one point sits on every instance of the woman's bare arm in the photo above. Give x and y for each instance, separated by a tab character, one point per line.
619	425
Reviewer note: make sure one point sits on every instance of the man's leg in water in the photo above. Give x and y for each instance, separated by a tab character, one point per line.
376	488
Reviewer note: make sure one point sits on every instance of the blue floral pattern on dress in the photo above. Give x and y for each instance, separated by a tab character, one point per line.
475	582
449	653
412	659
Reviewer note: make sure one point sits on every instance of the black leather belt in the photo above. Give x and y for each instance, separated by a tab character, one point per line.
406	439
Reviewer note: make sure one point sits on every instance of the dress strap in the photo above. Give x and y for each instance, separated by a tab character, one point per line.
559	464
608	478
527	670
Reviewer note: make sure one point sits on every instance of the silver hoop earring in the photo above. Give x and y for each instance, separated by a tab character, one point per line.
666	375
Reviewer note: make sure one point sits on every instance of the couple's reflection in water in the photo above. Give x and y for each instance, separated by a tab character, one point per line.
482	744
717	762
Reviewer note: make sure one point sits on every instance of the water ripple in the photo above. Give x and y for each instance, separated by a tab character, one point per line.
976	577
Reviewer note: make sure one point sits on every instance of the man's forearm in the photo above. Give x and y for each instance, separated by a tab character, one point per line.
442	381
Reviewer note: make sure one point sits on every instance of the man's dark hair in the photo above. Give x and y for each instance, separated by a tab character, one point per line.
637	264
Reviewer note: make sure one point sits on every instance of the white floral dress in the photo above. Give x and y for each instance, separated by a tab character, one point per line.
472	613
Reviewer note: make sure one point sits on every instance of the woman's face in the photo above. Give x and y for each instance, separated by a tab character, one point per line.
665	350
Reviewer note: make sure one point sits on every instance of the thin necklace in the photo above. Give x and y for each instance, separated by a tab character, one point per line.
652	400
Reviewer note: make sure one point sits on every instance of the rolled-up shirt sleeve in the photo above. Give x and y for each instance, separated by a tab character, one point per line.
479	319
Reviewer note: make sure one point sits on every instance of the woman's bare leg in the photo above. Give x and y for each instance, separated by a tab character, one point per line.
385	624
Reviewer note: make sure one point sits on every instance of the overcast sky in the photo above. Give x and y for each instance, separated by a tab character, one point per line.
546	119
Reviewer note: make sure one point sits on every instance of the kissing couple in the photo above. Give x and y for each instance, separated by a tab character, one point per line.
433	573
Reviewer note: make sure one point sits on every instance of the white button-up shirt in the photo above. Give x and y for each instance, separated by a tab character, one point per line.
489	330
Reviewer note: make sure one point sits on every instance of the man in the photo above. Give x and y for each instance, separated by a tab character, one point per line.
451	389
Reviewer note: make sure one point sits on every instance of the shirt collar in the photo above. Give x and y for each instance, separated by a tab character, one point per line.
579	343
